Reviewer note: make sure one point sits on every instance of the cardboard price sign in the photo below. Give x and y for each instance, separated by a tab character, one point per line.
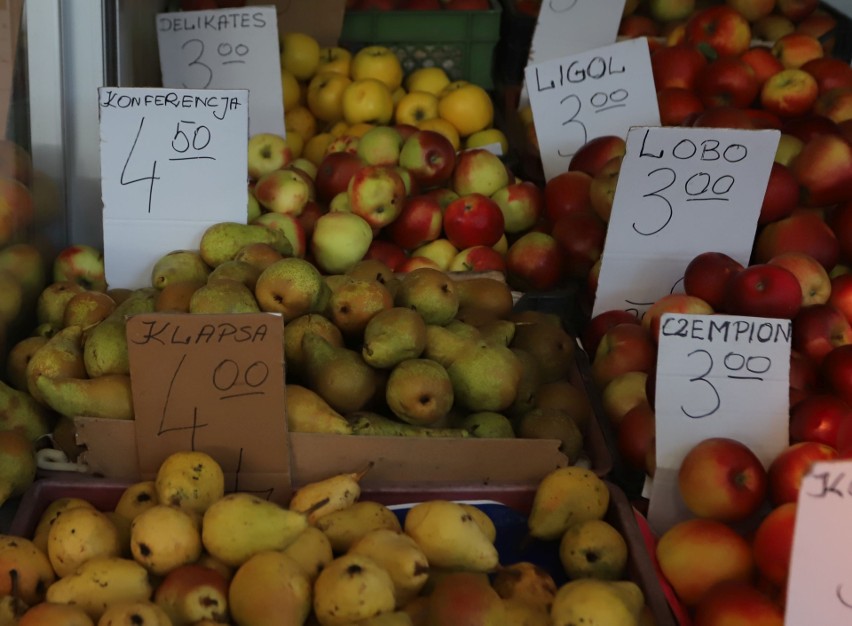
717	376
599	92
226	49
681	192
820	581
173	162
213	383
574	26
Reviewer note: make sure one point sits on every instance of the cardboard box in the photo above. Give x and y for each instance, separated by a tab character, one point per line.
512	542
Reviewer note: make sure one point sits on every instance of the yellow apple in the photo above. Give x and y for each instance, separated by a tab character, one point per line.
441	251
325	95
299	55
296	144
334	59
440	125
788	147
316	146
300	120
367	100
380	63
468	108
416	107
488	137
291	90
430	79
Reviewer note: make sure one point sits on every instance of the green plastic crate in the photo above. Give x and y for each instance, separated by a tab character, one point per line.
461	42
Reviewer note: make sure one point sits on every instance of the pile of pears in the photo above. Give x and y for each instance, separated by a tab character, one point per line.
367	352
177	550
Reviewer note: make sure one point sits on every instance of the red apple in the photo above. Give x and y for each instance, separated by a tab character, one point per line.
473	220
763	290
737	602
478	259
824	169
762	119
533	262
791	465
796	49
81	264
580	235
815	282
720	28
677	66
290	226
677	104
762	62
415	262
334	172
789	93
419	222
724	117
727	81
822	25
429	156
836	370
829	73
673	303
817	418
773	544
387	252
707	274
624	348
818	329
566	192
698	554
522	204
803	231
722	479
479	171
635	26
796	10
840	221
596	327
803	377
809	125
376	194
635	435
781	197
841	295
602	189
596	152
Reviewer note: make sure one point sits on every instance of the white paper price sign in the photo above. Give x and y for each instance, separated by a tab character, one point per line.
226	49
820	581
173	162
717	376
573	26
600	92
681	192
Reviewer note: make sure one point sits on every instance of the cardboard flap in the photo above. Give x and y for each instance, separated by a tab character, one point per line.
110	447
424	461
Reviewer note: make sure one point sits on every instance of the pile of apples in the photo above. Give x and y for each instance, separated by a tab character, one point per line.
177	550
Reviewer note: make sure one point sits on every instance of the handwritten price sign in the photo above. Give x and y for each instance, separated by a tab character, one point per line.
226	49
600	92
173	162
681	191
717	376
820	580
213	383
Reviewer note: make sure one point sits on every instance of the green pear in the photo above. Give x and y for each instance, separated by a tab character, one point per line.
552	347
223	296
293	332
498	332
528	386
352	588
240	271
220	242
354	303
88	309
445	346
568	397
50	304
465	599
261	255
26	263
175	297
431	293
450	537
21	413
463	330
106	396
292	287
17	464
486	424
12	303
392	336
346	526
339	375
240	525
178	266
105	348
593	549
61	356
375	425
307	412
419	392
486	378
553	424
371	269
490	298
18	358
